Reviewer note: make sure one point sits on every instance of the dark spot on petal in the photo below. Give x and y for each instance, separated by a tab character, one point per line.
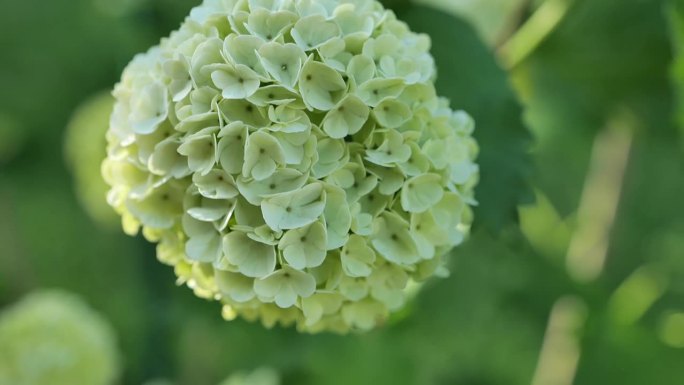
341	109
394	237
289	209
272	186
271	96
249	108
309	77
302	239
376	92
262	151
283	67
386	109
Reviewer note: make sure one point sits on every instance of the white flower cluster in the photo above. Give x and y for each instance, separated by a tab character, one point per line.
54	338
293	160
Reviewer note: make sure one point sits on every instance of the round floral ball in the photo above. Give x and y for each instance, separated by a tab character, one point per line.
53	338
293	160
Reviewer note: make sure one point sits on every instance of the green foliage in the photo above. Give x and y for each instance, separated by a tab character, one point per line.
675	13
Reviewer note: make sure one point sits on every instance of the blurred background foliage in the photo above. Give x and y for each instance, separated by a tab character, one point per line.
574	273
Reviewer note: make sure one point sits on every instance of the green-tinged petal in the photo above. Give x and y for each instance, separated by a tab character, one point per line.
347	118
201	150
205	56
357	257
269	25
247	214
374	203
329	274
283	62
149	108
392	150
437	152
354	179
364	314
159	209
241	49
285	286
391	178
422	192
165	160
299	149
305	246
236	286
314	7
361	68
265	234
276	95
337	217
210	210
320	304
205	247
332	155
288	120
181	82
195	123
294	209
420	95
321	86
231	147
310	32
374	91
417	164
449	214
283	180
236	82
392	239
362	223
356	26
354	289
217	184
263	155
252	258
425	224
239	110
391	113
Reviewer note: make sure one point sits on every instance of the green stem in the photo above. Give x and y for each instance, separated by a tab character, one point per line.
535	30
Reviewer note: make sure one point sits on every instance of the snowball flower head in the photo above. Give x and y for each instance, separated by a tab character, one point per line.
292	160
53	338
